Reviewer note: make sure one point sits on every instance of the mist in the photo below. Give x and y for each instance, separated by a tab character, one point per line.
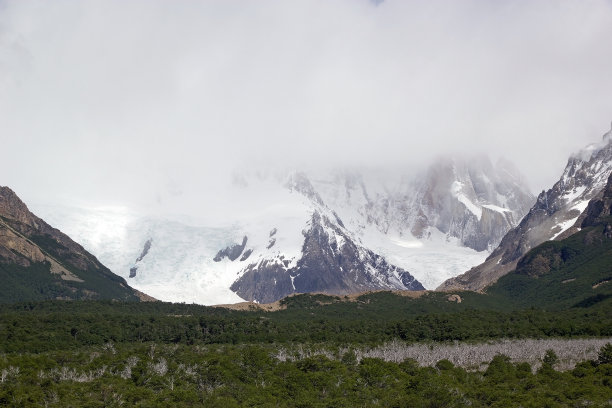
117	102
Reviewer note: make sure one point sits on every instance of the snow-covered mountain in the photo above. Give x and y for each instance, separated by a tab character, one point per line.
336	232
556	214
470	200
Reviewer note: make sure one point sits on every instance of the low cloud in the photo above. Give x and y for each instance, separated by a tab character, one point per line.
123	101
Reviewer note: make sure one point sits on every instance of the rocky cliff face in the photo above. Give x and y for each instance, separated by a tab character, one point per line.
556	214
27	241
21	229
332	262
600	208
485	201
471	200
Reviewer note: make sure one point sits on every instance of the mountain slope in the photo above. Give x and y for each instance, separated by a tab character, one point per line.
575	271
332	262
471	200
283	232
39	262
554	216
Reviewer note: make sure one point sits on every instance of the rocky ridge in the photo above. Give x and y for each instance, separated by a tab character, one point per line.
27	241
332	262
600	208
468	199
471	200
557	213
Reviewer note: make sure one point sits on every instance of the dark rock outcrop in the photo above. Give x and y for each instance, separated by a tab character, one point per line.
600	209
232	252
245	255
145	251
331	262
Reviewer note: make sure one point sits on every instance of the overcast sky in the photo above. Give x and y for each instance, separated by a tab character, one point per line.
112	100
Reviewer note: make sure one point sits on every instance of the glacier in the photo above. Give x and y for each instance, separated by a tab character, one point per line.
390	214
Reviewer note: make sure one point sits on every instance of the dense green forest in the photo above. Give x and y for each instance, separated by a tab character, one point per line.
574	272
104	354
371	319
151	375
37	283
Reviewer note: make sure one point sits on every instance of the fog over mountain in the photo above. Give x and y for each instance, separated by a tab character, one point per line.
162	103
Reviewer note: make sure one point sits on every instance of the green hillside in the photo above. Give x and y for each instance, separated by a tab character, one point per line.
36	283
572	273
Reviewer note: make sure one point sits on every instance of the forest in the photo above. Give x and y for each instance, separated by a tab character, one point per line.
378	349
153	374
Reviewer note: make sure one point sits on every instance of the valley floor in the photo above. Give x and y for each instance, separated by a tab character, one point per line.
529	373
375	350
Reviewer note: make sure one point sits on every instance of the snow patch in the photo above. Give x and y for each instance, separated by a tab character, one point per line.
431	261
406	243
456	190
578	192
497	208
565	225
293	281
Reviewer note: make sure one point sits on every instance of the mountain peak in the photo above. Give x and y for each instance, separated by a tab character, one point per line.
13	208
594	149
608	135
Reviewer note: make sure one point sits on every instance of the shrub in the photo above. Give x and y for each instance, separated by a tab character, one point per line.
605	354
550	358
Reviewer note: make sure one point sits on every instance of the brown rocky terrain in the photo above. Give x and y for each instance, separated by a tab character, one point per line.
27	242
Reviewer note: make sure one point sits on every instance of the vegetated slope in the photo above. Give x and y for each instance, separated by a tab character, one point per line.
576	271
39	262
555	215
